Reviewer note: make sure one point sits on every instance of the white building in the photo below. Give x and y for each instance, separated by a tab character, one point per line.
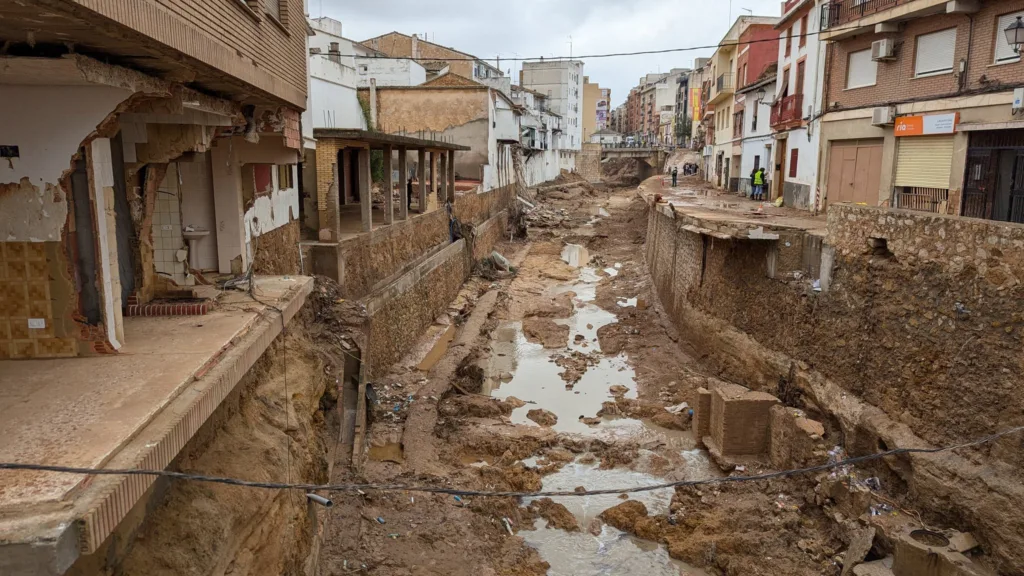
606	137
757	141
562	82
797	104
541	137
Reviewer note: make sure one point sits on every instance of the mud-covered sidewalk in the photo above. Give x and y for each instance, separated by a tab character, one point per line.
565	375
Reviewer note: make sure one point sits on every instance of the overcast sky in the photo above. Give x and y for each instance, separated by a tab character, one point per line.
530	28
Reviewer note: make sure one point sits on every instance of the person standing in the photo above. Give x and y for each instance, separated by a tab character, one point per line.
758	181
675	176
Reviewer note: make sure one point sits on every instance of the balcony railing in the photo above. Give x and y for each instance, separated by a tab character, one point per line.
724	84
839	12
789	109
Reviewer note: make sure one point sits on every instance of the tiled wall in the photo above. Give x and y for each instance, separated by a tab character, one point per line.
167	239
25	297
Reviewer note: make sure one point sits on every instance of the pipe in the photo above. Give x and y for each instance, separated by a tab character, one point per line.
316	498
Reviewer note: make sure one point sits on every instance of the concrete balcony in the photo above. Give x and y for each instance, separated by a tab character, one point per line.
845	18
134	409
787	111
724	88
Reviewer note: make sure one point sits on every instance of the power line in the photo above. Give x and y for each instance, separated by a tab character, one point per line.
615	54
479	493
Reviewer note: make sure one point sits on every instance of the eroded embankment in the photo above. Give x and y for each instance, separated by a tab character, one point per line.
915	343
278	426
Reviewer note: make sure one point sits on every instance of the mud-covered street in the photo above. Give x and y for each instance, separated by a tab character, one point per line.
562	376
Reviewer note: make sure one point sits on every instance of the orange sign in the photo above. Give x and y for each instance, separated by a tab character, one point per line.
930	125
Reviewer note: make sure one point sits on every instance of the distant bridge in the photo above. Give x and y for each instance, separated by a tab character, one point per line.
652	159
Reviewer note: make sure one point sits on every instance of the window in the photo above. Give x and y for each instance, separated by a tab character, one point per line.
757	163
285	180
753	117
789	42
794	157
935	53
363	68
1004	51
273	8
803	30
743	80
801	70
862	70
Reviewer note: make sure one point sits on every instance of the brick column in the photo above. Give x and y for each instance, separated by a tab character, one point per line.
365	196
421	175
389	192
345	187
403	183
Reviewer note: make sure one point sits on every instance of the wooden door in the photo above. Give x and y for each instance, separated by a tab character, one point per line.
854	172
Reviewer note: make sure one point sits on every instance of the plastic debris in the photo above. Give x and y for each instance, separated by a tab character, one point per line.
817	286
500	262
678	408
880	509
380	520
873	483
394	536
459	500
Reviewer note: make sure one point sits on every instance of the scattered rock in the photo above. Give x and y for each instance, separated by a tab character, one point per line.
860	545
514	402
557	515
672	421
625	515
542	417
546	332
618	390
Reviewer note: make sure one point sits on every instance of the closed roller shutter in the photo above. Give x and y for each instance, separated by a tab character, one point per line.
935	52
924	161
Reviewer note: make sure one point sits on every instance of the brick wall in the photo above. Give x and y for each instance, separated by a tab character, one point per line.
400	45
762	52
226	35
588	162
895	81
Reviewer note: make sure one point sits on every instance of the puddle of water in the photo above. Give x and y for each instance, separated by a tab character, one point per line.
612	552
575	255
391	452
438	351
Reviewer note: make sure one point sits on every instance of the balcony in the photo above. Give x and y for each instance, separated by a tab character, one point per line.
723	88
788	110
841	18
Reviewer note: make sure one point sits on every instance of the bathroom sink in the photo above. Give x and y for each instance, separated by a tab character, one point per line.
195	234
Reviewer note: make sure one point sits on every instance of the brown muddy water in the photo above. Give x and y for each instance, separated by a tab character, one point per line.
528	371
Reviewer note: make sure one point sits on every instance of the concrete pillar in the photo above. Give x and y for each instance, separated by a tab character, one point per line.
403	183
346	175
101	181
442	166
389	192
433	175
330	217
451	176
365	196
421	176
227	206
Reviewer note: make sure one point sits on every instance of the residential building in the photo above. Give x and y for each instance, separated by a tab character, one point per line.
753	115
596	108
741	50
607	138
562	82
433	56
145	151
542	135
921	112
796	112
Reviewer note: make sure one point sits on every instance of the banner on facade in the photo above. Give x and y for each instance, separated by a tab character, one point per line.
695	102
930	125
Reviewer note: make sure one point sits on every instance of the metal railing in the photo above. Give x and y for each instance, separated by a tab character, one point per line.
839	12
723	84
788	109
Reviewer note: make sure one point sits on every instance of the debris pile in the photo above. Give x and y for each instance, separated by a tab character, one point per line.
621	171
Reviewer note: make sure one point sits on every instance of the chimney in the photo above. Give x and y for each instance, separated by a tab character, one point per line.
334	52
415	46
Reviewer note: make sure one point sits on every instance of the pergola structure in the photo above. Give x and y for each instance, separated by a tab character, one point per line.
344	177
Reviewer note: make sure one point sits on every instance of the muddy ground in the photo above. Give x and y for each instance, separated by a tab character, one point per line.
561	378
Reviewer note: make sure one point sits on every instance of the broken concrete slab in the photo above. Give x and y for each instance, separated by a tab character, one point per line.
860	545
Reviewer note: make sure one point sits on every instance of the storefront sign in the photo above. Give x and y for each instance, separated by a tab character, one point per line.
930	125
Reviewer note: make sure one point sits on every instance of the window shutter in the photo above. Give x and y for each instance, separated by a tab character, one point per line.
863	71
273	7
924	161
1004	51
935	52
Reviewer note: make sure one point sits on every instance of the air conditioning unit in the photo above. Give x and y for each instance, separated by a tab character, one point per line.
1018	99
883	50
883	116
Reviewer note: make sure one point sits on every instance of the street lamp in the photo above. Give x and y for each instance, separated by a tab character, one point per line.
761	95
1015	34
